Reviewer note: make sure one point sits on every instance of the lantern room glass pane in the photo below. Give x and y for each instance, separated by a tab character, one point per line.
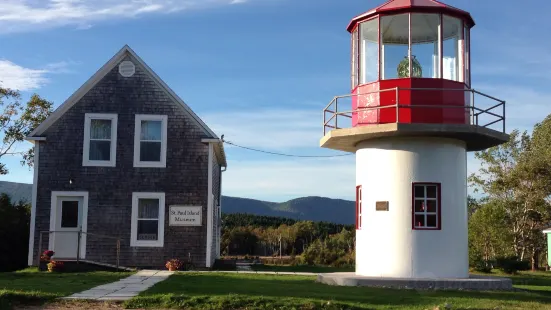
369	33
354	56
452	53
394	33
467	39
425	45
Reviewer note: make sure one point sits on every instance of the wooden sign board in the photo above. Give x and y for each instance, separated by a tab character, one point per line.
185	216
381	206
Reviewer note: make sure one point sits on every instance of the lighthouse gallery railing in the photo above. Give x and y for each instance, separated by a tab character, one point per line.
488	113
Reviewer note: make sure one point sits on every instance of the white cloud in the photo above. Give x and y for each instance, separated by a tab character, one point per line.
24	15
20	78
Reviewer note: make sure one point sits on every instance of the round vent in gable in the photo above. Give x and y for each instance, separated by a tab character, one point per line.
127	68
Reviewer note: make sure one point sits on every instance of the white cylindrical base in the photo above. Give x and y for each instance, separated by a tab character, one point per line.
387	244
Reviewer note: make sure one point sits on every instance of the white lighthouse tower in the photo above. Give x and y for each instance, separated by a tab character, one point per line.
411	118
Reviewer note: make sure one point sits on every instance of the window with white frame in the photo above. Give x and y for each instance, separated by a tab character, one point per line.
150	141
100	140
359	207
148	220
426	206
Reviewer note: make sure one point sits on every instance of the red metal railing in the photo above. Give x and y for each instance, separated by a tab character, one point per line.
488	112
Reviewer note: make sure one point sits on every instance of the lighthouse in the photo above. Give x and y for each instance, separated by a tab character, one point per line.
411	118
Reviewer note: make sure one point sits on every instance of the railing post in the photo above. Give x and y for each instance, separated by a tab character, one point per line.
324	121
503	116
119	250
397	106
475	116
78	245
337	113
39	248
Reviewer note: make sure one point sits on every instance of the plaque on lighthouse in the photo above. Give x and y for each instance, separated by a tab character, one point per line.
381	206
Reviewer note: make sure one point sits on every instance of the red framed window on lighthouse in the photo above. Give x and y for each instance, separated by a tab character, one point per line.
358	207
426	208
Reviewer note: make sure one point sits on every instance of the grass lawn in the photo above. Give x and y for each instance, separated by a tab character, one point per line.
31	286
253	291
305	268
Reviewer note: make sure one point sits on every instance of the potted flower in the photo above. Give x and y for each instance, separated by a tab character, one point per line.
174	264
55	266
45	258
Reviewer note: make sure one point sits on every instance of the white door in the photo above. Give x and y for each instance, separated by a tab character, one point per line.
68	221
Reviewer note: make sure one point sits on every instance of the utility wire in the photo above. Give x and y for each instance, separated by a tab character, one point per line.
281	154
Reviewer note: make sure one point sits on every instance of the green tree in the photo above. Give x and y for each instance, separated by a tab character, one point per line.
17	120
489	233
14	233
516	176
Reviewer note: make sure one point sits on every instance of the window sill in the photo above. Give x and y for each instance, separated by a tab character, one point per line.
138	244
149	165
415	228
98	164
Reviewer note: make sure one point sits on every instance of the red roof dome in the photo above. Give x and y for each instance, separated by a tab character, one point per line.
402	6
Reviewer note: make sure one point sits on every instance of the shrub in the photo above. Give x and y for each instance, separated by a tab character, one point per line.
511	264
482	266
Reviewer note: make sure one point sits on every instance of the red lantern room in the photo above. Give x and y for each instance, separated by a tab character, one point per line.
419	46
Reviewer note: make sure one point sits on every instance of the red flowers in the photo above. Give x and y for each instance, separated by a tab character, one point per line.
47	255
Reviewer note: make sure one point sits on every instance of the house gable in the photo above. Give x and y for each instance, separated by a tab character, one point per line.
126	53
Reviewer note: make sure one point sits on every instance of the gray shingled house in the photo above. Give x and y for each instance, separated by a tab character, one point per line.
126	165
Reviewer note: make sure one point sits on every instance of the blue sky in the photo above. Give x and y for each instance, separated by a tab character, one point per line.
258	71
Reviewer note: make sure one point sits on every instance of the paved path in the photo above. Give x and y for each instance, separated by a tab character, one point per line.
258	272
126	288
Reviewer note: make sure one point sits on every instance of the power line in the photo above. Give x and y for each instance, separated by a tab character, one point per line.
281	154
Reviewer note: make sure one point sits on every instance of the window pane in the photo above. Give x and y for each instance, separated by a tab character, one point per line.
100	150
148	230
431	221
419	191
431	205
419	206
69	214
100	129
395	46
419	221
150	151
425	45
151	130
369	50
354	47
431	191
452	30
148	208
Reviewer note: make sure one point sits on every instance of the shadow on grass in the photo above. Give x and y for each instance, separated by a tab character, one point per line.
189	289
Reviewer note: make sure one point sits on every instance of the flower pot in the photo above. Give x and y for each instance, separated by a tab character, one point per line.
171	268
43	266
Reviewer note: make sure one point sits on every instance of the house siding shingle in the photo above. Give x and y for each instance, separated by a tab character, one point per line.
184	180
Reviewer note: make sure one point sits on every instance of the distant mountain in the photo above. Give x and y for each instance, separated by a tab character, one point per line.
306	208
317	209
17	191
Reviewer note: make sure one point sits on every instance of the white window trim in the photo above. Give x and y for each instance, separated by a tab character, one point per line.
134	242
137	132
86	147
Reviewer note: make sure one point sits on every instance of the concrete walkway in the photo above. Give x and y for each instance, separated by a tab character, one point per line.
126	288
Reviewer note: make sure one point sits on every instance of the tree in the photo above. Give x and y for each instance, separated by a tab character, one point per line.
516	176
14	233
18	120
489	233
